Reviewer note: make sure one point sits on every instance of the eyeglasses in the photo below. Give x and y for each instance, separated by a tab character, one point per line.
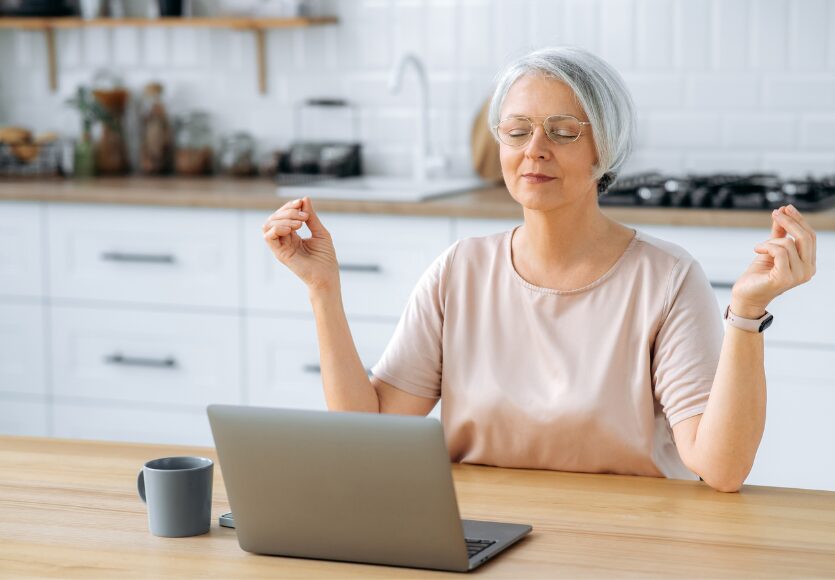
517	131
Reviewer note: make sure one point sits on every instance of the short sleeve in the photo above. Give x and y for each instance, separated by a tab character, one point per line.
688	343
413	359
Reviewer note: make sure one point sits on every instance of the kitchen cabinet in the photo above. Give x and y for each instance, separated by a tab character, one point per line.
123	322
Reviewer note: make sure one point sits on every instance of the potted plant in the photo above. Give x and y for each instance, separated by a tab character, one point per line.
91	112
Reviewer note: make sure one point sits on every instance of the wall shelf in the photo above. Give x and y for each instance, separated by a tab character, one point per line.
258	26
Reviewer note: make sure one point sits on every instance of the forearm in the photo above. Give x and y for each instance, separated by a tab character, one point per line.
732	425
346	384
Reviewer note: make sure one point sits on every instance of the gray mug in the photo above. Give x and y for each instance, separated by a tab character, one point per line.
178	492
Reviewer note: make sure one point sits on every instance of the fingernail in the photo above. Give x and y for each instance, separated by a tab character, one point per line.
793	209
303	214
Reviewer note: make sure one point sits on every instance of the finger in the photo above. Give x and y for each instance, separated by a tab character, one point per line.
276	232
780	256
795	214
797	265
288	213
313	221
801	236
294	204
777	230
284	226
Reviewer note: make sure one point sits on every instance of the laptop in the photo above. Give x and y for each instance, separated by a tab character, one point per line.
355	487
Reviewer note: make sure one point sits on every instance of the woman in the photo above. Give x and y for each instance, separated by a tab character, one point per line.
571	342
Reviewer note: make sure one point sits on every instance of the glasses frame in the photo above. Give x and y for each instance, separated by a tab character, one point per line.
541	123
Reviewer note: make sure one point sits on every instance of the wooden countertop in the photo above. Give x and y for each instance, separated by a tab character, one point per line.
260	194
70	509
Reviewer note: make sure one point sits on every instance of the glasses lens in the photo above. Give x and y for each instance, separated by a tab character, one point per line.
514	131
562	129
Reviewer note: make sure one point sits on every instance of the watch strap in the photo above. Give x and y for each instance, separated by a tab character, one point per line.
748	324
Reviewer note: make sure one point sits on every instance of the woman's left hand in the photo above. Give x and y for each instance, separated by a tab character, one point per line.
782	263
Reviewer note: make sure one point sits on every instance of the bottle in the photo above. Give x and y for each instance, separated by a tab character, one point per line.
156	143
194	145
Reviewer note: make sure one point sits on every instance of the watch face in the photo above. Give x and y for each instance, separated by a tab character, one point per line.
766	323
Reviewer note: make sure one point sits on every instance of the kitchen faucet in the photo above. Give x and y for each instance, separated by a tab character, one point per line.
424	160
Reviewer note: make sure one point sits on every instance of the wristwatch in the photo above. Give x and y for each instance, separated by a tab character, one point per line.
749	324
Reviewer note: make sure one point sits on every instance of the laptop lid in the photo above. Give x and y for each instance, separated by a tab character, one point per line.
340	486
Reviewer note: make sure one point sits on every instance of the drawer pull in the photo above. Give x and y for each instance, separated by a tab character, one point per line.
133	361
721	285
317	370
370	268
147	258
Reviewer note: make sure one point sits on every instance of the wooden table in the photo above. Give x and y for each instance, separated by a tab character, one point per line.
70	509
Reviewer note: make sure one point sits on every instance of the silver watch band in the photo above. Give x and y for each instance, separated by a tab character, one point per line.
749	324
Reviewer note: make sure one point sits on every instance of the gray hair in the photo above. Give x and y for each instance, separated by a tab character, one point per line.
600	91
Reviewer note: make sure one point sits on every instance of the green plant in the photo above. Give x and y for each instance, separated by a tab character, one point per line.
91	111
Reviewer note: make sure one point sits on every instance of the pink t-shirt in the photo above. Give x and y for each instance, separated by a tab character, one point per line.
588	380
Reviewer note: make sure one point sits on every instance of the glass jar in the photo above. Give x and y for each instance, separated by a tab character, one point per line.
155	147
194	145
236	156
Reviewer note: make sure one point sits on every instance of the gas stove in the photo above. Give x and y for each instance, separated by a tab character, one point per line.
760	191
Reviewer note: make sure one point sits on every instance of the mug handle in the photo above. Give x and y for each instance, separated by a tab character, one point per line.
140	484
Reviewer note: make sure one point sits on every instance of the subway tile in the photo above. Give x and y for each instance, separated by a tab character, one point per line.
663	161
549	23
798	163
511	22
375	34
796	92
97	46
68	48
760	131
185	47
653	91
476	35
769	31
409	27
680	130
818	131
24	48
617	38
155	46
730	21
126	46
583	24
316	46
694	34
808	34
722	161
654	22
723	92
441	34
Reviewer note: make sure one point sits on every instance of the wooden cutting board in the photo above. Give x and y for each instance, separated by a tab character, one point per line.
484	148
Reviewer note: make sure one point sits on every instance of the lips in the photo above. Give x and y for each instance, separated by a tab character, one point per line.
537	177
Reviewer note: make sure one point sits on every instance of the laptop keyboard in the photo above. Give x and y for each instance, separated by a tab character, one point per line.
476	546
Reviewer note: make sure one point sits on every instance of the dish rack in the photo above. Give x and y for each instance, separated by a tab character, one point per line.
45	163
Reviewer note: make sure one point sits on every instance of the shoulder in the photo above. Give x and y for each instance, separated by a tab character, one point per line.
481	248
664	257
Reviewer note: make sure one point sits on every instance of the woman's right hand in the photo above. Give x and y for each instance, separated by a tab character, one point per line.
312	259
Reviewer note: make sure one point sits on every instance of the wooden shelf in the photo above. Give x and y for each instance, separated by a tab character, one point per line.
257	25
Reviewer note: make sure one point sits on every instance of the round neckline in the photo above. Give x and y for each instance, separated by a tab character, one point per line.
605	276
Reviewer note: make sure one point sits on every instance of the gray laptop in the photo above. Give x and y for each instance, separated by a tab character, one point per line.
355	487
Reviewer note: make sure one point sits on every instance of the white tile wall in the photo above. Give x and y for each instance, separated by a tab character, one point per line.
760	74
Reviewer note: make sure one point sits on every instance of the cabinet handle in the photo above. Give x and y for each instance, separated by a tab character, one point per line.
721	285
316	369
133	361
371	268
152	258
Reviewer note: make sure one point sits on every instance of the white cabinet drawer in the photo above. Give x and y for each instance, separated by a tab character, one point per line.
476	228
21	250
796	449
114	423
22	353
144	254
380	258
283	359
187	359
24	416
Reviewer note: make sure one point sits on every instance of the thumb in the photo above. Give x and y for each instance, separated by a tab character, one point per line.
777	231
314	224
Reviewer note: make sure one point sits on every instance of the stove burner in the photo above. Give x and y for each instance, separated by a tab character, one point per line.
759	191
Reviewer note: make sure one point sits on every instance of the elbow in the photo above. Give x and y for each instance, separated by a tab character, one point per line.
726	481
725	486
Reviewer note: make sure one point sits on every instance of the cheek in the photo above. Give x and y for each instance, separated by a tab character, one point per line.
509	160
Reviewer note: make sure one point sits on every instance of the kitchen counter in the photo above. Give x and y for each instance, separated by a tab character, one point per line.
70	509
259	194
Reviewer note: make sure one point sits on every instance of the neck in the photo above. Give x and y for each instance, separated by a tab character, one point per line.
563	238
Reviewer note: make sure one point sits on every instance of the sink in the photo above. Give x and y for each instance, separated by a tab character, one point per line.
379	188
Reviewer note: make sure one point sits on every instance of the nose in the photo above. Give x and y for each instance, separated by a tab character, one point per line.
539	147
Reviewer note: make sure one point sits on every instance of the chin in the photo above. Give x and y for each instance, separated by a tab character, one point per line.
538	198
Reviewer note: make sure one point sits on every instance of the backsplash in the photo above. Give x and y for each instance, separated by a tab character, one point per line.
730	85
